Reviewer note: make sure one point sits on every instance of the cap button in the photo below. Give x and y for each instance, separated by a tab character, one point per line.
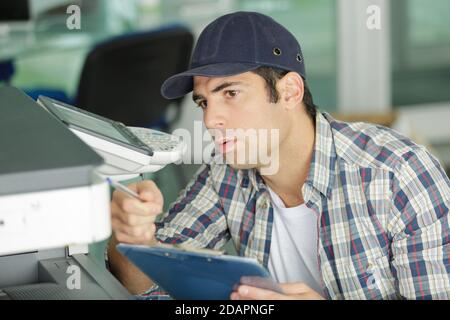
276	51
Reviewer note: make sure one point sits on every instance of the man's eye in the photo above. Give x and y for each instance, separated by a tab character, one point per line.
201	104
232	93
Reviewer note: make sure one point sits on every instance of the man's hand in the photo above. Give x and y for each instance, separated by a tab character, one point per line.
292	291
133	221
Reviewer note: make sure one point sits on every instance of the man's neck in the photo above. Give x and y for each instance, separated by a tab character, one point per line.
294	162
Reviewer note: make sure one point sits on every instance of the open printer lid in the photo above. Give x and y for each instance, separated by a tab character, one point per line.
50	194
37	152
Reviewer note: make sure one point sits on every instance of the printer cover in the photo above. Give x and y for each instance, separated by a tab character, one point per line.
37	152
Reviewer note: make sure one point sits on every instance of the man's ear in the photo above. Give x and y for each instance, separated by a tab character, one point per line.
291	89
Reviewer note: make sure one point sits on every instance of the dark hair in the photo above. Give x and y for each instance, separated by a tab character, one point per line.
271	75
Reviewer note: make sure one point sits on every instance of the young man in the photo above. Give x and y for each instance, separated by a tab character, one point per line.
353	211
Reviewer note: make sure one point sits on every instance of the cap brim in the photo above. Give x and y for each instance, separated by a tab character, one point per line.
182	83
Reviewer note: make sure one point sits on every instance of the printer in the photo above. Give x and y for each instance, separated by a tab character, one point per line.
52	205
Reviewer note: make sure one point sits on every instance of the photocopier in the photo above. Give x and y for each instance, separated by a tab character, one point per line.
52	205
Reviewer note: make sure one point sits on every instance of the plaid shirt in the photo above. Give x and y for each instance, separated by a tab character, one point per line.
382	203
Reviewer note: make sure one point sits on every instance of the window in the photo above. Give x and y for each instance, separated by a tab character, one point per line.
420	51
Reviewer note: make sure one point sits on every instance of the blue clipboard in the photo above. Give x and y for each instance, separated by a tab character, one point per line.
197	274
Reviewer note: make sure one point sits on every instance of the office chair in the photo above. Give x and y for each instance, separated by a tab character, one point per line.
6	71
122	77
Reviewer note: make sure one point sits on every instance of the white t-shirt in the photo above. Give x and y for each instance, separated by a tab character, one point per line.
293	249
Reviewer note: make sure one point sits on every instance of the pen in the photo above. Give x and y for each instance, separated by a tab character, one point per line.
121	187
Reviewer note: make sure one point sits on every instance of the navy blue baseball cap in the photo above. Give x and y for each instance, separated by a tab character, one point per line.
236	43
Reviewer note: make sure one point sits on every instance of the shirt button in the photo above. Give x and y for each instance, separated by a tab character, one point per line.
264	205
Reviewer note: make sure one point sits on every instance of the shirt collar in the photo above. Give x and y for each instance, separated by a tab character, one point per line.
322	169
321	174
255	179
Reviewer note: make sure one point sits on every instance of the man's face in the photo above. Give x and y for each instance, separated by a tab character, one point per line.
236	111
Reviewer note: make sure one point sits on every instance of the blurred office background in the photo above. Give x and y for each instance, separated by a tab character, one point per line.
397	75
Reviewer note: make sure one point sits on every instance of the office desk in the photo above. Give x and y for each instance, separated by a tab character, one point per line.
47	59
22	44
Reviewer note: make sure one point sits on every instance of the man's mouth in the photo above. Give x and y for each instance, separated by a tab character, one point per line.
225	145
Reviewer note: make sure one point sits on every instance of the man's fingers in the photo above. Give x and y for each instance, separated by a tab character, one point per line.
294	288
148	191
235	296
125	238
132	231
136	233
294	291
131	205
300	291
133	220
134	216
253	293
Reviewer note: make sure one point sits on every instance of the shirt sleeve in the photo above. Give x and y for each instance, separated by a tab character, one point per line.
419	227
197	217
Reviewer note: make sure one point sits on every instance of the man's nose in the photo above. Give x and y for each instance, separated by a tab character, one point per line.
214	117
